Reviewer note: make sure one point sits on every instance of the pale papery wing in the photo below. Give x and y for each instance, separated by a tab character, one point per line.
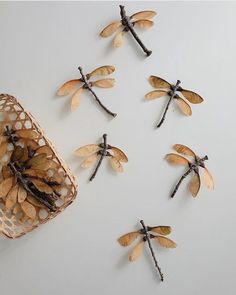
102	71
136	252
116	165
194	185
144	23
128	238
208	179
184	106
175	159
183	149
68	87
75	99
87	150
110	29
146	14
104	83
156	94
159	83
191	96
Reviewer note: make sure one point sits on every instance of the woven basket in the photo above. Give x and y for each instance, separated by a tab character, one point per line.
13	114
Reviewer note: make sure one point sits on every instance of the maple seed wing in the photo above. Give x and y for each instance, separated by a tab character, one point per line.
195	184
165	242
103	71
128	238
184	107
175	159
208	179
118	40
144	23
104	83
5	186
17	154
158	82
28	209
68	87
110	29
191	96
136	252
119	155
89	161
155	94
147	14
183	149
22	194
75	99
87	150
27	133
3	149
161	229
12	197
116	165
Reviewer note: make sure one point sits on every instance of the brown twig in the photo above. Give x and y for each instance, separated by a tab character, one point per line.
171	94
129	27
31	189
151	249
87	86
103	153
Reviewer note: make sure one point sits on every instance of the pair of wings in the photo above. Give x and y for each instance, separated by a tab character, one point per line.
140	19
162	231
71	85
15	196
195	182
90	152
164	87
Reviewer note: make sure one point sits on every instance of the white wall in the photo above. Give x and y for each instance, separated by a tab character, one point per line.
42	44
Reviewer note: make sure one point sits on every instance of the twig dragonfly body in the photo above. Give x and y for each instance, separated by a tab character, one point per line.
127	23
97	152
164	88
148	233
84	83
192	166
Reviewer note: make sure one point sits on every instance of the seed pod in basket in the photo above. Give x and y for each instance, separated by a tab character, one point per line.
95	153
141	19
76	87
148	234
192	167
174	92
35	184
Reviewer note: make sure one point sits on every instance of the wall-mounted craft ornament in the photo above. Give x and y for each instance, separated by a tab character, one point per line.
192	166
164	88
148	233
35	184
126	24
97	152
84	83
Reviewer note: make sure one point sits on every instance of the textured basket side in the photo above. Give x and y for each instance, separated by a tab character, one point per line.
13	114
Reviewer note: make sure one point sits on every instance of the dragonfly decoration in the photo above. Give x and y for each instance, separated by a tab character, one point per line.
97	152
26	185
174	92
127	23
84	83
192	166
148	233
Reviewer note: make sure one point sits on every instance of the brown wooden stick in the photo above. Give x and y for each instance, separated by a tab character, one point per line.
103	154
129	26
172	94
151	250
